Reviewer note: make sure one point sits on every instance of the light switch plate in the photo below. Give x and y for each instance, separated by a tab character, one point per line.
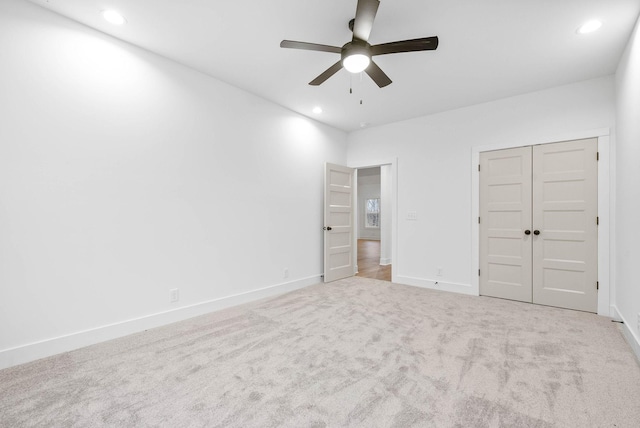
175	295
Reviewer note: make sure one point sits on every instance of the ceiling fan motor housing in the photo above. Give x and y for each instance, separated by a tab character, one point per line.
356	47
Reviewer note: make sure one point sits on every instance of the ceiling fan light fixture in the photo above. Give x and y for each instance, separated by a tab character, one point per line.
356	63
590	26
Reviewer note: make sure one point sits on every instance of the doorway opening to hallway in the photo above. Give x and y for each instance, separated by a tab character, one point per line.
373	222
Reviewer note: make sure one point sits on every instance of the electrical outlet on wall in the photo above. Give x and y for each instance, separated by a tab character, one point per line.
412	215
439	272
175	295
285	273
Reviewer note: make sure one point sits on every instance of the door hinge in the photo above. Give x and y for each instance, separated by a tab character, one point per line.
598	221
478	272
478	167
597	156
597	285
478	220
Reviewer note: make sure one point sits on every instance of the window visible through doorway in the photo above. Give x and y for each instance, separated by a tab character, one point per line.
372	219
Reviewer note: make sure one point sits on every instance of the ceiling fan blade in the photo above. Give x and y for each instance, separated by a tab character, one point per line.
327	73
309	46
365	15
423	44
377	75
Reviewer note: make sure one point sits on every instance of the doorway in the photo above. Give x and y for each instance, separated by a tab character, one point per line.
341	219
538	224
373	222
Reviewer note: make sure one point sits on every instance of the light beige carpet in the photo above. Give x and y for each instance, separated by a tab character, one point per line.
357	352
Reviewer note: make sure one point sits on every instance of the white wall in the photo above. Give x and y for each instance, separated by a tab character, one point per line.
368	188
627	297
124	175
434	168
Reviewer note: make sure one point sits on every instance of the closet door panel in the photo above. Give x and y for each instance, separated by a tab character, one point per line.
505	213
565	203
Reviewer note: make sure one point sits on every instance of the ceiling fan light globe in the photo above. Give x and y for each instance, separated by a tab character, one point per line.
356	63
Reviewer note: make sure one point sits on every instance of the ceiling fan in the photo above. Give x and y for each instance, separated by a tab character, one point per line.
356	54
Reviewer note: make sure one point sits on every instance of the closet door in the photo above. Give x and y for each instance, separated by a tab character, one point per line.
565	239
505	216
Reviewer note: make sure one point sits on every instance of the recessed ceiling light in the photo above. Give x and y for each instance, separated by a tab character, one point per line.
317	110
589	26
113	17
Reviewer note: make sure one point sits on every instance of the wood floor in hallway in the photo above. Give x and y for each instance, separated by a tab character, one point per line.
369	261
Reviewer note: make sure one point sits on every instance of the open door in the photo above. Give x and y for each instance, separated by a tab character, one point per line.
339	228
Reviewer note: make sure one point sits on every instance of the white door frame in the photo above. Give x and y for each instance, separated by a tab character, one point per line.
605	193
394	207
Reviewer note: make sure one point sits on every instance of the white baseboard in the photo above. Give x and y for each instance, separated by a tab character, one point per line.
627	332
436	285
385	262
46	348
613	313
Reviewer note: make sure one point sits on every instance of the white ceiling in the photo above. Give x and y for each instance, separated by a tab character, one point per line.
489	49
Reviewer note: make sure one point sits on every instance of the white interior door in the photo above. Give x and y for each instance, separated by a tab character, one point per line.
339	227
505	216
565	241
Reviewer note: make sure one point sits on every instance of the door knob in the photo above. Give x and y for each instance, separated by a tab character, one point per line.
536	232
527	232
326	228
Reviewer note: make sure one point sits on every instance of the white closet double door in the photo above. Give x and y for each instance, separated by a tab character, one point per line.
538	224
